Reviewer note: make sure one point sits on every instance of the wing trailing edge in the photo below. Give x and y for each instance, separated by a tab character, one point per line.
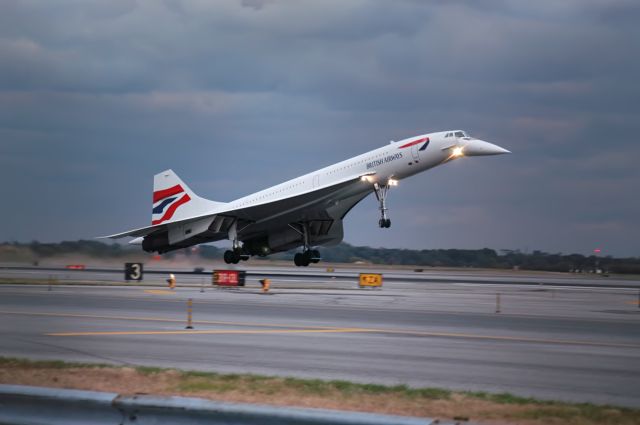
254	213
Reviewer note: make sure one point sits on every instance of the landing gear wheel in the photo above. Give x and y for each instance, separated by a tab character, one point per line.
302	259
307	256
315	256
228	257
384	223
231	257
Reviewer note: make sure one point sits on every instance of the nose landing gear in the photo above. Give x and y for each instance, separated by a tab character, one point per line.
381	195
384	223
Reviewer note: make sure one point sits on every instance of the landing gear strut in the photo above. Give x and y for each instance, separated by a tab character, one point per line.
308	255
381	195
237	254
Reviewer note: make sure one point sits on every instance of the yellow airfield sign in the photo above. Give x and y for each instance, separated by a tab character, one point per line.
370	280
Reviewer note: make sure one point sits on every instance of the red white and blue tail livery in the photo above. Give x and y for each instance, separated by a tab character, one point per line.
306	211
166	202
174	201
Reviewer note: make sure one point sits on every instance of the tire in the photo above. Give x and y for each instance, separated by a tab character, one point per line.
381	223
297	259
315	256
229	257
387	223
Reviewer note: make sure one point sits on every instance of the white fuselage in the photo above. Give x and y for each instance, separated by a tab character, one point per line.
307	210
390	161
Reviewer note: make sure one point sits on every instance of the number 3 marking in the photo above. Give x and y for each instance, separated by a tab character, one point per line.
135	271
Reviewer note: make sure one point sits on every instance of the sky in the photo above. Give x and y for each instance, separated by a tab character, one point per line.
98	96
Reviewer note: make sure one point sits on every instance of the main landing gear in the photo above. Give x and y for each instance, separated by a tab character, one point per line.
303	259
381	195
308	255
235	256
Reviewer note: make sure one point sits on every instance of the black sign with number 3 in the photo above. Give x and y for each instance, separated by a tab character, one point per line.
133	271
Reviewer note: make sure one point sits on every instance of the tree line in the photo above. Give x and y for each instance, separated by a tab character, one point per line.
347	253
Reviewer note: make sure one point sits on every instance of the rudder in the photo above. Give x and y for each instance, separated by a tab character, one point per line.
173	200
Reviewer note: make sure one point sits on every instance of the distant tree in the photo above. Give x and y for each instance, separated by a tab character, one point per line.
346	253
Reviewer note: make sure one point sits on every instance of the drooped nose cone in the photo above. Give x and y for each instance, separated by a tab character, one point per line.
478	147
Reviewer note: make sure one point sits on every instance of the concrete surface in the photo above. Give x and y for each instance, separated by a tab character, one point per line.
570	343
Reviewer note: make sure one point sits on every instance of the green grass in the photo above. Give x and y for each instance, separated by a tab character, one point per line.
47	364
146	370
591	412
524	408
209	381
504	398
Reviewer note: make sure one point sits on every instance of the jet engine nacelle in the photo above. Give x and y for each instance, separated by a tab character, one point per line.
278	241
159	243
257	246
285	239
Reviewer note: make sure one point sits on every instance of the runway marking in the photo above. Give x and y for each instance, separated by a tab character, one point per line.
503	338
298	329
159	292
211	332
350	330
162	319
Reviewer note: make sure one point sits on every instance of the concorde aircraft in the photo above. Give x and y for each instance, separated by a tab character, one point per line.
307	211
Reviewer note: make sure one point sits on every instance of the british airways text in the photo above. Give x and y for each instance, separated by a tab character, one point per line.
384	160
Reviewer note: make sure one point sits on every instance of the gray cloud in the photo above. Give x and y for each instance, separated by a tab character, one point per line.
96	97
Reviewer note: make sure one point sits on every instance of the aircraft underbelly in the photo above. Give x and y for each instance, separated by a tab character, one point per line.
323	218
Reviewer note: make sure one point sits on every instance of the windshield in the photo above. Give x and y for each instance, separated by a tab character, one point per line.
460	134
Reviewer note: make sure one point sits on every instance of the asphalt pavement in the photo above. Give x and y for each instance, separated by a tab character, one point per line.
575	343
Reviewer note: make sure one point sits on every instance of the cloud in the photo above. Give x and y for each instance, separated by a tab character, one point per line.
95	97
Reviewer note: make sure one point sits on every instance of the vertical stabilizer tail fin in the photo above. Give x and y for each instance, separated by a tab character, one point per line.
173	200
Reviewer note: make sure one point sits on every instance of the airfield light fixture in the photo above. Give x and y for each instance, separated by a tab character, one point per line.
392	182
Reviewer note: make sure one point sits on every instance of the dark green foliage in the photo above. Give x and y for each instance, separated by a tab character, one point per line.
91	248
346	253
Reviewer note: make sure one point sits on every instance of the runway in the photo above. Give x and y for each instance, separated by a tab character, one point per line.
570	343
345	276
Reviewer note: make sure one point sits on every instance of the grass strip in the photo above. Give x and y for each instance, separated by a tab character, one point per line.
336	394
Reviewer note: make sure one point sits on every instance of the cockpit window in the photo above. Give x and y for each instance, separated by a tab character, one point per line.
460	134
448	135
